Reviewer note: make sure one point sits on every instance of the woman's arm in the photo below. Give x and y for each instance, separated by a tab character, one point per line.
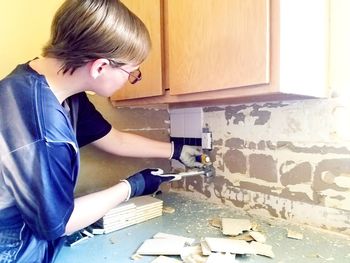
132	145
89	208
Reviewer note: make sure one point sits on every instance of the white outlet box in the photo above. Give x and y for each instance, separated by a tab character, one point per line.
206	140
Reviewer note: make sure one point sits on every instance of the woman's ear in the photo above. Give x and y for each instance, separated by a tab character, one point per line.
98	67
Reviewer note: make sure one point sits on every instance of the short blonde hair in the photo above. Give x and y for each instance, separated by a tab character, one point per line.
85	30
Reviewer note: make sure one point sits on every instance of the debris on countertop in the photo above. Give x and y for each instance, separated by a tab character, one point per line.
168	209
199	219
294	234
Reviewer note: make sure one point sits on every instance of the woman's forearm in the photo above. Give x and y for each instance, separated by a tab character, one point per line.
132	145
89	208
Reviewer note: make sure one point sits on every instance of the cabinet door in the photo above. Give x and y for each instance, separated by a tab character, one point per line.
151	84
215	44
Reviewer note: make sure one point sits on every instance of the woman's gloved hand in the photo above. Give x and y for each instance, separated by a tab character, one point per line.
146	182
187	154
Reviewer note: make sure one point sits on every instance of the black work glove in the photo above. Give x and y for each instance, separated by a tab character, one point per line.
147	181
187	154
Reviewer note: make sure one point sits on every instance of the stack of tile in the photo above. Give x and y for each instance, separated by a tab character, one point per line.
136	210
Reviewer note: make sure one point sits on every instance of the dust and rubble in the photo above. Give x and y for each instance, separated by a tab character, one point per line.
251	236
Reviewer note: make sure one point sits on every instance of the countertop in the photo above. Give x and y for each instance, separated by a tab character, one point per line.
191	218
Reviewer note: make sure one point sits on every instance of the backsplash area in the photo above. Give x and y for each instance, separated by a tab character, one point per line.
287	159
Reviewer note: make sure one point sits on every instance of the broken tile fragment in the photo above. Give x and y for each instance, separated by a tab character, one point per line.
258	236
136	257
193	254
163	259
245	236
187	240
255	226
234	227
168	209
161	246
262	249
228	245
222	258
215	222
294	235
205	248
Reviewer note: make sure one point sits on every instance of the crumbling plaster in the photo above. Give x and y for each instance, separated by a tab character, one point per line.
287	159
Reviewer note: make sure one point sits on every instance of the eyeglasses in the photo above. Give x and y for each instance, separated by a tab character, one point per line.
134	76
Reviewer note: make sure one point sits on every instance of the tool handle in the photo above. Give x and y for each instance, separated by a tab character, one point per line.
179	176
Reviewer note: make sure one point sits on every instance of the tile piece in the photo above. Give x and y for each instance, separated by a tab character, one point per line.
234	227
222	258
193	255
168	209
294	235
187	240
161	246
177	124
262	249
228	245
163	259
245	236
205	248
136	257
193	123
136	210
258	236
215	222
186	122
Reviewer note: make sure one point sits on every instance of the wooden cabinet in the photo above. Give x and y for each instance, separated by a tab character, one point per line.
208	45
151	85
237	51
212	45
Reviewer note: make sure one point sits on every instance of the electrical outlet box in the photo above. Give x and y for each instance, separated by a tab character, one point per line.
206	139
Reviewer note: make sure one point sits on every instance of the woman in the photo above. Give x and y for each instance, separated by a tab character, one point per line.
95	45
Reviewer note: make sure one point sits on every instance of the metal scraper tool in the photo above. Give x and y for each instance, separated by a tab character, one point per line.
207	171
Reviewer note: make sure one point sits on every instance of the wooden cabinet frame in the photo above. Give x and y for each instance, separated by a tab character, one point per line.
298	60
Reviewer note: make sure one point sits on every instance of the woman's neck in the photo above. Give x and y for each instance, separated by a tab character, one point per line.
62	85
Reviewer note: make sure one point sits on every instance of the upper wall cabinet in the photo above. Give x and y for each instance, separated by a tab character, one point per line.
235	50
212	45
151	85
